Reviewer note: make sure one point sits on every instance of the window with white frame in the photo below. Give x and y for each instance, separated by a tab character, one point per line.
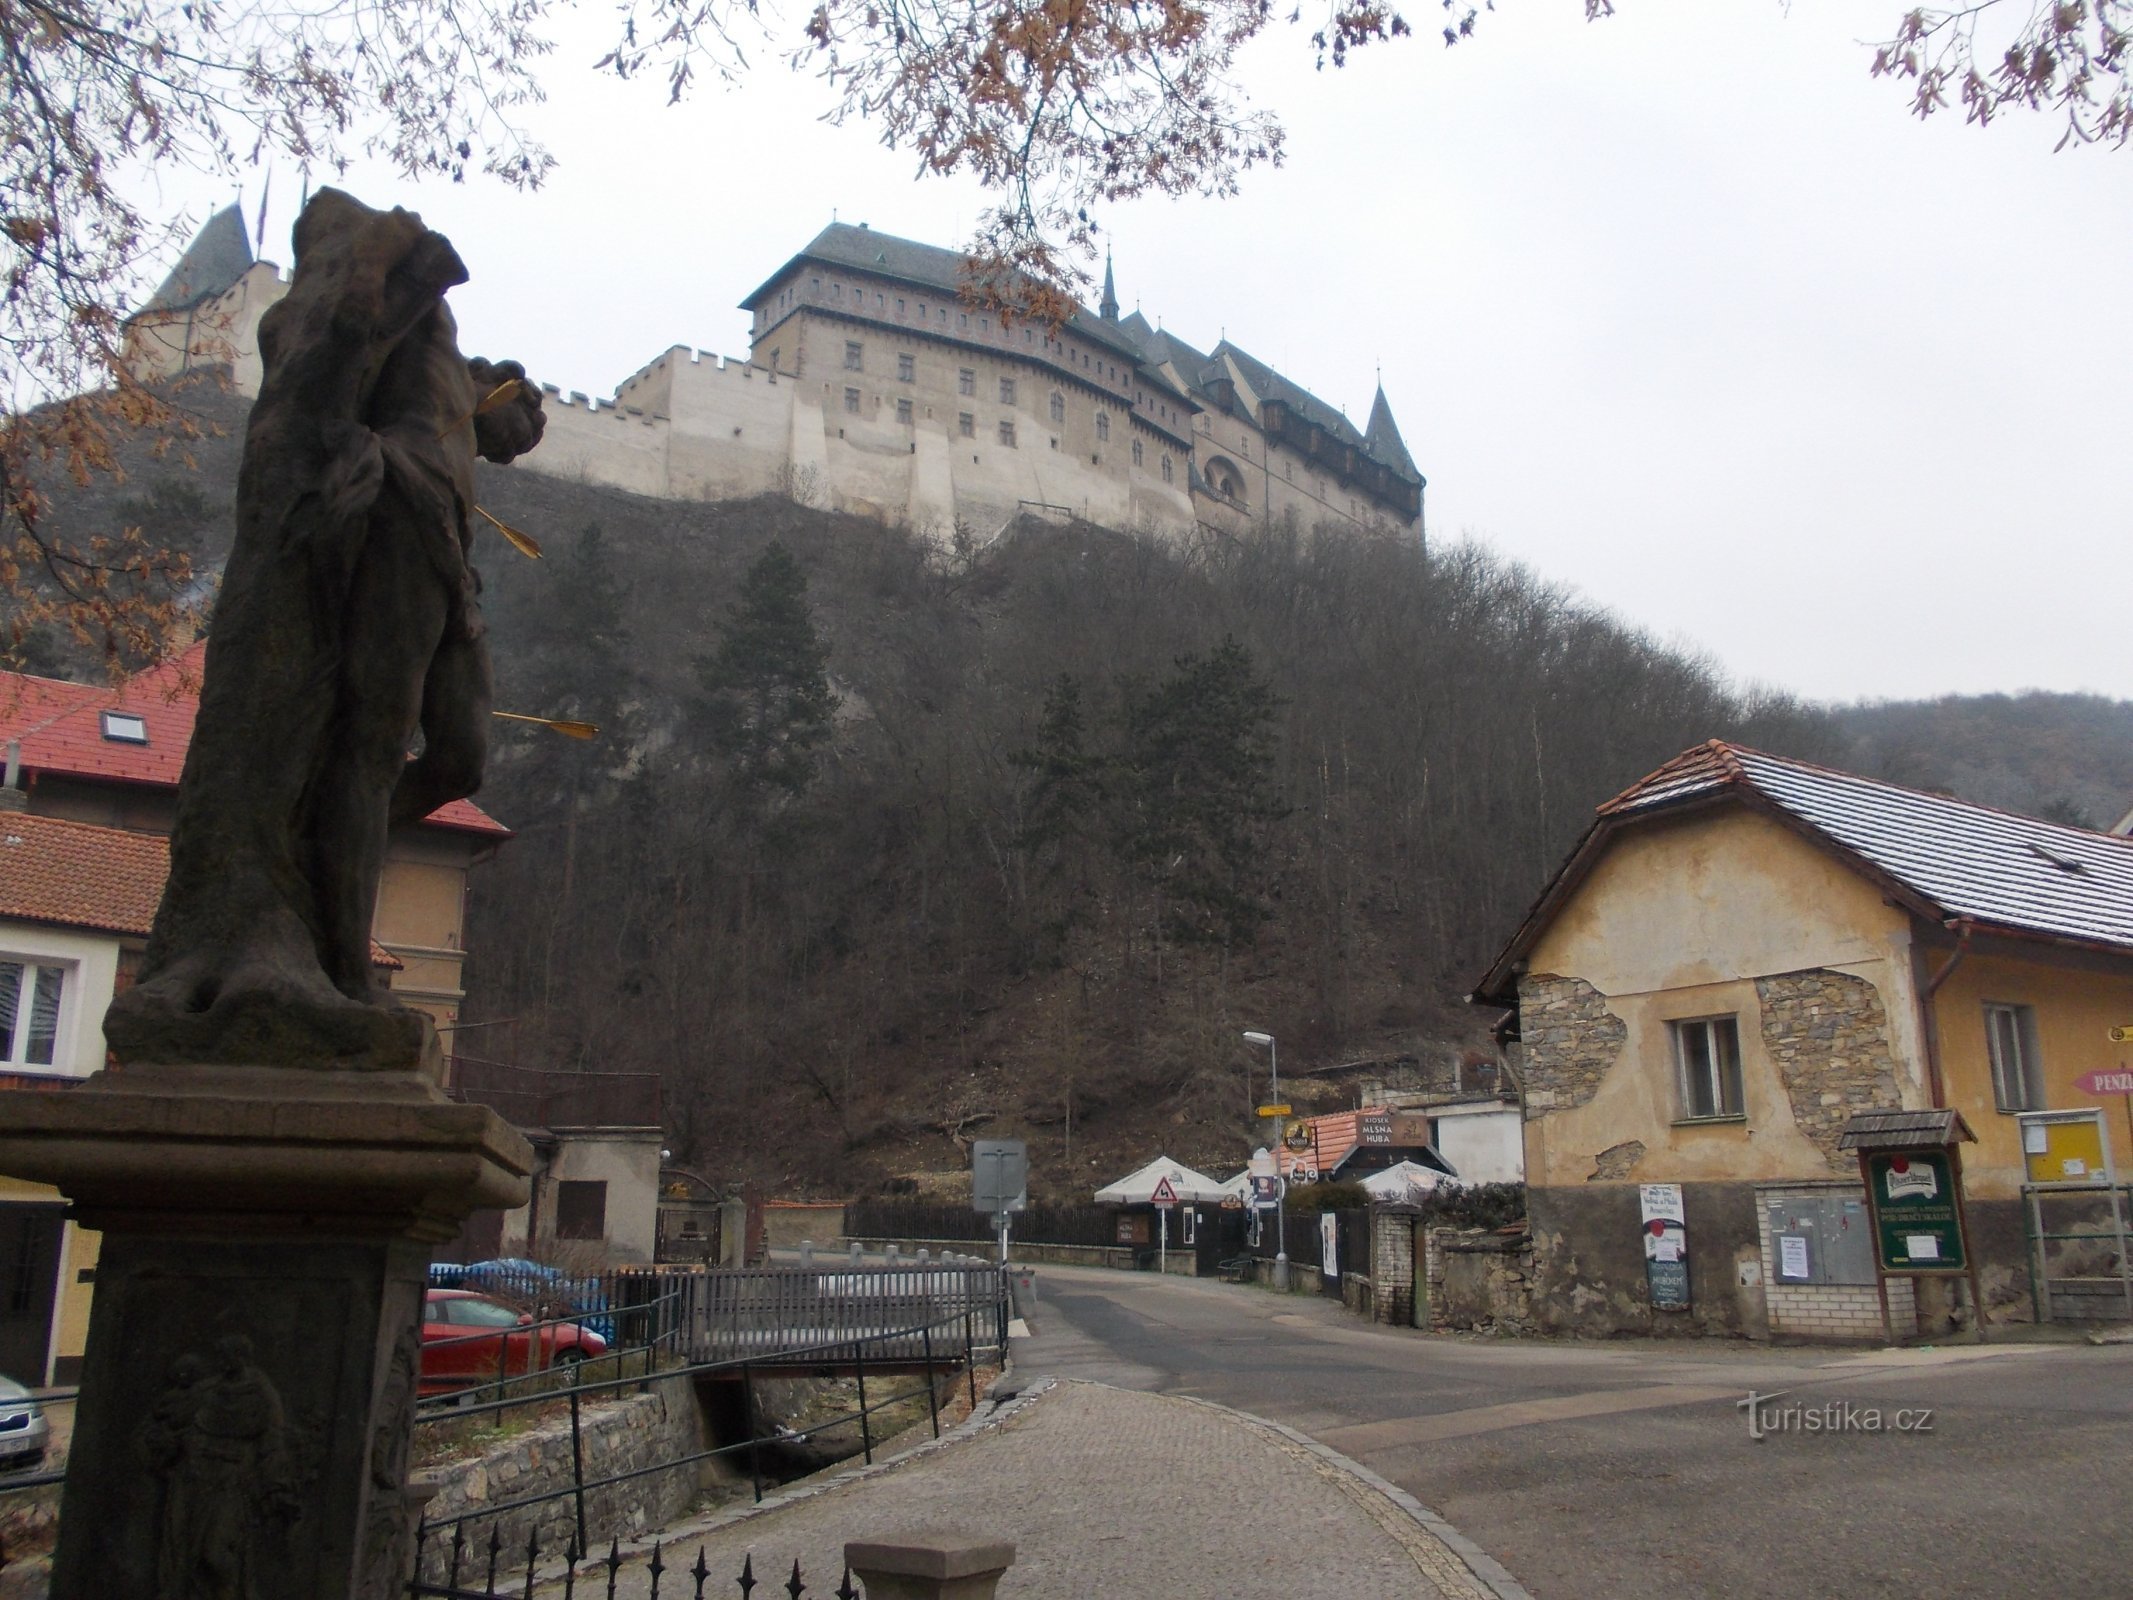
1707	1066
31	996
2011	1040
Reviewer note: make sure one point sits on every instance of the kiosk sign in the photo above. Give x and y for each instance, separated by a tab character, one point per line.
1916	1227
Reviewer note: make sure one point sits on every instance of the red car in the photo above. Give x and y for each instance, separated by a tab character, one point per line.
468	1338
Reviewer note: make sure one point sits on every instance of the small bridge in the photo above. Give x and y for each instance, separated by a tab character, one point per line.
797	1317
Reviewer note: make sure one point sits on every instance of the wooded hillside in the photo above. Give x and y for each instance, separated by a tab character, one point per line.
878	851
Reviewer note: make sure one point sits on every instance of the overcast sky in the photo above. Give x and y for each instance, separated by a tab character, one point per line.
1680	309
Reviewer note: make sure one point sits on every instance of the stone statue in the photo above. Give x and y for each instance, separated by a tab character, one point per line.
347	628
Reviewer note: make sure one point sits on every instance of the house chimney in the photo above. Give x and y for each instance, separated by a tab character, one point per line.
11	796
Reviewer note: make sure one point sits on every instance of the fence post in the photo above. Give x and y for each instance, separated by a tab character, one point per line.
577	1459
933	1566
755	1464
933	1398
866	1431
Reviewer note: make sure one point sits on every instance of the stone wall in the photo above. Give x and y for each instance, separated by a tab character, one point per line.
1392	1267
1588	1273
1828	1036
1571	1039
1478	1279
638	1431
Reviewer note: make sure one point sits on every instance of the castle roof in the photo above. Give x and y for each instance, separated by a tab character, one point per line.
859	248
1384	441
215	260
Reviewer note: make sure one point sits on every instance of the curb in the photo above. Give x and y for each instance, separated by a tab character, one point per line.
1486	1569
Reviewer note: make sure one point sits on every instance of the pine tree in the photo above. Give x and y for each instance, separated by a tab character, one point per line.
767	704
1197	791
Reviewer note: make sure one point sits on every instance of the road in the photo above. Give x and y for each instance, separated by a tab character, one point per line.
1595	1470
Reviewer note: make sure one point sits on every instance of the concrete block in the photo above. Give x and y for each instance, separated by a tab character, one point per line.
930	1566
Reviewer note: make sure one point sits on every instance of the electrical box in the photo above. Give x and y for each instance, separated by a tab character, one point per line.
1823	1238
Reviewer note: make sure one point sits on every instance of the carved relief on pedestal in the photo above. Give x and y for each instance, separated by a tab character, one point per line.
218	1443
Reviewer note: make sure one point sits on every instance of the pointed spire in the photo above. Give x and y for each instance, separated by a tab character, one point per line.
215	259
1108	307
1382	438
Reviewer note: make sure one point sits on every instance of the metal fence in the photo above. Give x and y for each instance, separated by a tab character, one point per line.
916	1219
595	1576
968	1323
758	1311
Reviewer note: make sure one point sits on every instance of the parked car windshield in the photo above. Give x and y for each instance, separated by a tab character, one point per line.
479	1314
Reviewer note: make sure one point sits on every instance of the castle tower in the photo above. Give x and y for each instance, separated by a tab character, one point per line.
1107	308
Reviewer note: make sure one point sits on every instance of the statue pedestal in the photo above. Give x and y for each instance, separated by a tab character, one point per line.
249	1381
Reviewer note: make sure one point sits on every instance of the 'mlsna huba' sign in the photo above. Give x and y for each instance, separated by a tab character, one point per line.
1918	1228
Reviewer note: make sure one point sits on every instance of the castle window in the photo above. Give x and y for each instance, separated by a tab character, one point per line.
1007	434
851	401
817	282
1166	469
1058	407
1055	441
854	356
1137	452
962	318
1103	425
967	426
836	291
966	381
1007	391
903	412
899	305
906	369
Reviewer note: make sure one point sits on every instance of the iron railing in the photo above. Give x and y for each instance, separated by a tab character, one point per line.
527	1580
955	1335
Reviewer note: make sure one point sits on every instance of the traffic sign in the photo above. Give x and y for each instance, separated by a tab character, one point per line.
2122	1035
1277	1111
2110	1080
1165	1196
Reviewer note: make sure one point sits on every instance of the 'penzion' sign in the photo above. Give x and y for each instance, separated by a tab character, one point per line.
1916	1225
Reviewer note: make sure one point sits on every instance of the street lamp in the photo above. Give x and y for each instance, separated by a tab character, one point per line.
1281	1220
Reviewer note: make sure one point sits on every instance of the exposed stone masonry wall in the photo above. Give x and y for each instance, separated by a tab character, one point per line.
1571	1039
1828	1036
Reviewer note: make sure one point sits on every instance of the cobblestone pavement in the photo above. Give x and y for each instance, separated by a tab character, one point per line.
1110	1493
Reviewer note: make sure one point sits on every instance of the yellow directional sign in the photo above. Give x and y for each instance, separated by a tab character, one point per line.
2122	1035
1277	1111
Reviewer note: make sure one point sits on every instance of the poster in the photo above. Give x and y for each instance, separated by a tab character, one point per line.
1792	1258
1329	1243
1666	1245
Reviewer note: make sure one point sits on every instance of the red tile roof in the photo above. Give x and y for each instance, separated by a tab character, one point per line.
60	727
80	876
77	875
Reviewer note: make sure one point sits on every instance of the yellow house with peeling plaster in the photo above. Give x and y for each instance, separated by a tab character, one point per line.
1744	952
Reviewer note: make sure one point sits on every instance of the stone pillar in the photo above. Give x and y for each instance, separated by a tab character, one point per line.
929	1566
249	1383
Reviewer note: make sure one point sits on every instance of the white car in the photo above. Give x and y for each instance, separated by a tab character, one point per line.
24	1432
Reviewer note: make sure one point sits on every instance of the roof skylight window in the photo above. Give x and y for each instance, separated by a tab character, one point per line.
125	728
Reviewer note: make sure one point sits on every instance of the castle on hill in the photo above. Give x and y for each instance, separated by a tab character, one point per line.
872	386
